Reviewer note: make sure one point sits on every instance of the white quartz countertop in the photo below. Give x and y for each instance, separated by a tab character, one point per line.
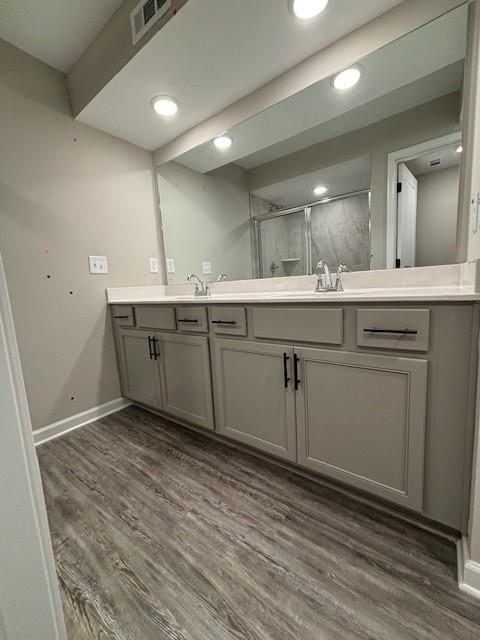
446	283
433	294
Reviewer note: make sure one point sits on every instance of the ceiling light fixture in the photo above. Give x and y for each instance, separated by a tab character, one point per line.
165	106
347	78
320	190
308	9
223	142
459	149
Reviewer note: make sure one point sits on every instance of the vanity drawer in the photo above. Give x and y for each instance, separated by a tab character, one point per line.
192	319
155	317
402	329
228	320
299	324
123	315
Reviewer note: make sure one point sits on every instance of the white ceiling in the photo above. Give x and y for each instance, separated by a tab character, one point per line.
448	158
55	31
340	179
415	69
212	54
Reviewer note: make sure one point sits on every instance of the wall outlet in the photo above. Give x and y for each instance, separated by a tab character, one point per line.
170	265
206	268
98	264
153	265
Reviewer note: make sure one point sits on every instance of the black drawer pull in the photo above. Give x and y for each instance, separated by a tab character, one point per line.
150	339
186	320
224	322
156	353
409	332
296	360
286	379
121	317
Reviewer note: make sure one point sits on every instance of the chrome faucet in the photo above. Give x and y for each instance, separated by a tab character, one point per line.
324	281
222	276
201	289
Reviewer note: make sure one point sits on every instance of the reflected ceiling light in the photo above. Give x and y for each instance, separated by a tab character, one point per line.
223	142
165	106
320	190
347	78
307	9
459	149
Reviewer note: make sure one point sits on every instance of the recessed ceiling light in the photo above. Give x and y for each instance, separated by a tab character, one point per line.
223	142
347	78
307	9
165	106
459	149
320	190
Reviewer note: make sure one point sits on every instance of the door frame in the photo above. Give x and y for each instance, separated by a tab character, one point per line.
30	603
393	160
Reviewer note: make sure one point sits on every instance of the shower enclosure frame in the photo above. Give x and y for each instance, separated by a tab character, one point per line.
307	209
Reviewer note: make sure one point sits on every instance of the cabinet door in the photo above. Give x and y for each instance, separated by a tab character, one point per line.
361	420
185	375
255	405
138	369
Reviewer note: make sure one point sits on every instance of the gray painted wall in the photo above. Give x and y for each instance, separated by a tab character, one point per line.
205	217
437	210
67	191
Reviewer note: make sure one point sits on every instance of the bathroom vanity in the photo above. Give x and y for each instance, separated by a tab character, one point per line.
371	389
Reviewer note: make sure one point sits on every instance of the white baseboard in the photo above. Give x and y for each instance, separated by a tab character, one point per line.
61	427
468	570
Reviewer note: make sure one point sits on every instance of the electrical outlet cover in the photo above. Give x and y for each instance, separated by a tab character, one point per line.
170	265
206	268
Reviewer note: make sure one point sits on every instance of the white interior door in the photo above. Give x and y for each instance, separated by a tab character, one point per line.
406	216
30	606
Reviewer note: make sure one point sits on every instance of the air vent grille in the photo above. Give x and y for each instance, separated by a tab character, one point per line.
145	15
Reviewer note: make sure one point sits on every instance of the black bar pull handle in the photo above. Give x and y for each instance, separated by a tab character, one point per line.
186	320
224	322
296	360
286	379
409	332
156	354
121	317
150	352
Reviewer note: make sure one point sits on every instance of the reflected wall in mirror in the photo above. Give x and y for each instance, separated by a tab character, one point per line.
318	175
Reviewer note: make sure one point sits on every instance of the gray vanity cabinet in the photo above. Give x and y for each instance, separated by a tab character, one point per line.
255	399
185	378
361	420
139	370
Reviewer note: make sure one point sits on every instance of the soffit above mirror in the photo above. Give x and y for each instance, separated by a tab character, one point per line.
420	67
212	54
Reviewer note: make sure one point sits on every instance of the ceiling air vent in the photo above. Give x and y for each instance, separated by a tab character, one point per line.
145	15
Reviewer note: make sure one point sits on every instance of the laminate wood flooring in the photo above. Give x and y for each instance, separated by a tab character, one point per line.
161	533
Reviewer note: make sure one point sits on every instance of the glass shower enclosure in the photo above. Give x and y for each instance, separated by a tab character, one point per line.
291	242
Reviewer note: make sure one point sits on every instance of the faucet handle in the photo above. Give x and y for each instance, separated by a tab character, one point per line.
319	267
342	268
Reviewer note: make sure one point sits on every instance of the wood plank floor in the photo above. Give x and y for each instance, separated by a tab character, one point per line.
160	533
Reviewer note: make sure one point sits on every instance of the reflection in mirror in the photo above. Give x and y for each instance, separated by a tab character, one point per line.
367	176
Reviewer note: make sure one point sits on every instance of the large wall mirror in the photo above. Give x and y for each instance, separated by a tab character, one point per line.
360	169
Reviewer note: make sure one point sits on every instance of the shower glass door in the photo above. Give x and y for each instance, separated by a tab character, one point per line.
283	245
340	232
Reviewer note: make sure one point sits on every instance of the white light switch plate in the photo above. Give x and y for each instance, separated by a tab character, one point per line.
98	264
153	265
170	265
206	268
